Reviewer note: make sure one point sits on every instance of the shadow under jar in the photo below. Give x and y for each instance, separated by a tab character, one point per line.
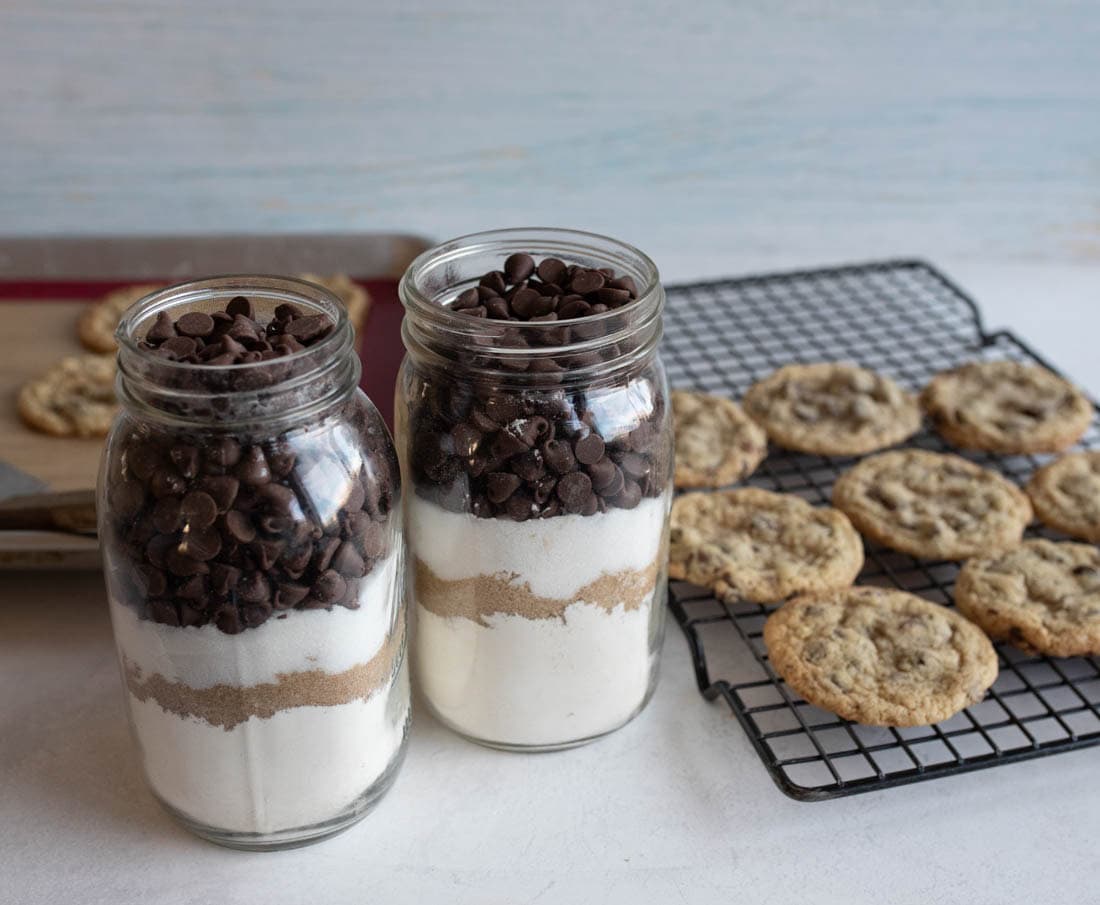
533	423
250	520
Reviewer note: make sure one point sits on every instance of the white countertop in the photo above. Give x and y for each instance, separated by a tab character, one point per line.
722	138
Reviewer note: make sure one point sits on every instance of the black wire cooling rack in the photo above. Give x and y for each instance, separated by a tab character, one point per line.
905	319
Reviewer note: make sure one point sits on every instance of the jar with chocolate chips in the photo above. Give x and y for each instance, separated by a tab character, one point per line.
250	520
533	424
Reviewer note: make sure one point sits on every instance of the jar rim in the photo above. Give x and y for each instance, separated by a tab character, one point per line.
207	288
167	396
429	323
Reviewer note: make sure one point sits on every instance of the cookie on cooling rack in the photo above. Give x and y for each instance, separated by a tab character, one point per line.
1066	494
1006	407
879	656
932	505
97	325
752	544
832	409
716	442
1040	596
75	398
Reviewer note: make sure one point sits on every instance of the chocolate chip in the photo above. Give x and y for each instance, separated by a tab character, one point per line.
164	328
195	323
199	510
143	460
528	303
630	496
186	459
310	328
329	586
239	527
256	614
467	299
529	465
494	280
202	545
166	515
223	578
229	620
558	456
254	587
501	485
573	490
253	467
180	346
568	310
347	561
602	473
239	304
613	298
506	444
279	497
221	488
194	588
288	595
589	449
325	550
586	281
466	437
127	499
551	270
164	611
223	453
497	308
267	552
520	507
167	482
518	266
182	565
158	548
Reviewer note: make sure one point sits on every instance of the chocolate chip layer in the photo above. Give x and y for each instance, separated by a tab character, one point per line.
549	448
235	529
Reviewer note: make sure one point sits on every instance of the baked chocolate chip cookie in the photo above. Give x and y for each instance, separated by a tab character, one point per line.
832	409
1041	596
880	657
1006	407
1066	494
97	325
75	398
932	505
752	544
716	442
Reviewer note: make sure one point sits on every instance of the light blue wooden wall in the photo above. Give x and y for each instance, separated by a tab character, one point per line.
706	130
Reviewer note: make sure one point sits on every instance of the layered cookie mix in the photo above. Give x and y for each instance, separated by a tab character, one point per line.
832	409
537	517
932	505
1041	596
1006	407
752	544
255	579
716	442
880	657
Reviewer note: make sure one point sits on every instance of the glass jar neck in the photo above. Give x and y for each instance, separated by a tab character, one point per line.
236	397
609	345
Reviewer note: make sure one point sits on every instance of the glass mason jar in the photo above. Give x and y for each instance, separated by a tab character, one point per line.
251	529
538	464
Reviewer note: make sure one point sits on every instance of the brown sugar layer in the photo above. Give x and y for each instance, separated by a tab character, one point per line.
506	592
229	705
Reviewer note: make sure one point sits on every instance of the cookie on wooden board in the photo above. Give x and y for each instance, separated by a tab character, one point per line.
1006	407
97	325
932	505
75	398
752	544
716	442
1066	494
880	656
355	298
1041	596
832	409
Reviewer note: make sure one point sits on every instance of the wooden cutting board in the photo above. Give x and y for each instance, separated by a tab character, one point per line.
38	333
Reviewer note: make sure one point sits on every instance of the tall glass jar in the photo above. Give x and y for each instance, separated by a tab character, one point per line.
251	529
538	457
